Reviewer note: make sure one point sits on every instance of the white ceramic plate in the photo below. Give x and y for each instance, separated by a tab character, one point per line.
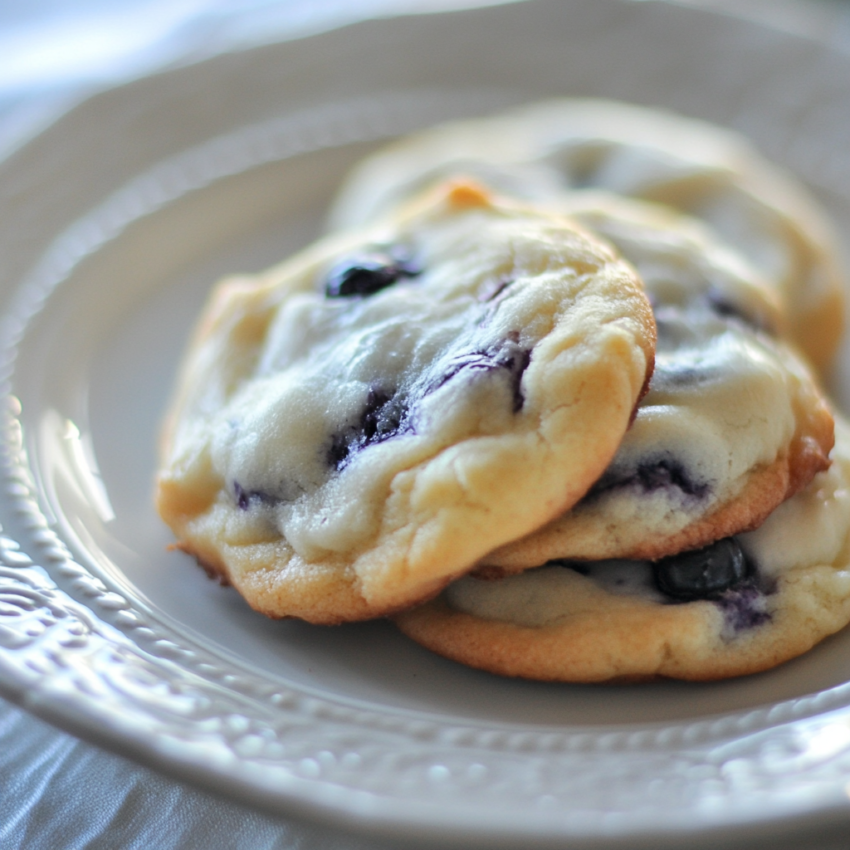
113	225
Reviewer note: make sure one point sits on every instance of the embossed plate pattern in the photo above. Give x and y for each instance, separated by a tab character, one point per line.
116	221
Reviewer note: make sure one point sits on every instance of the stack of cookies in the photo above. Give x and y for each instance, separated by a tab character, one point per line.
547	396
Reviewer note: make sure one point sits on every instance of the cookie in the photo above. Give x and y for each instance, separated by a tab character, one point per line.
356	427
711	173
733	423
742	605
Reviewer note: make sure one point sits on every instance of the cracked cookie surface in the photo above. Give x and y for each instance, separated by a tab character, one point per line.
356	427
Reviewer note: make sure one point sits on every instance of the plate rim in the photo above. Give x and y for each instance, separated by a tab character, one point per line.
358	813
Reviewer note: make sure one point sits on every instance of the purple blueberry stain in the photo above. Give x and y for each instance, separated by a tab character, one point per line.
390	412
508	357
725	308
649	476
384	415
246	499
243	500
743	607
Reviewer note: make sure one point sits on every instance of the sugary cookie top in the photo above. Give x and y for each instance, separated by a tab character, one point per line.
541	150
733	423
685	264
393	403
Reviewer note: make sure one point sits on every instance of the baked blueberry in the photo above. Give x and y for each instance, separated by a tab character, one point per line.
246	498
384	415
704	573
508	356
367	273
650	475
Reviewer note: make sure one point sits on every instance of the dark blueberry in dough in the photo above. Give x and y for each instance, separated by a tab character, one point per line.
385	415
510	357
339	451
367	273
245	498
704	573
723	307
743	607
665	474
382	416
649	476
241	494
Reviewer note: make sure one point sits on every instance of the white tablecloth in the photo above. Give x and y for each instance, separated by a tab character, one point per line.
59	793
56	792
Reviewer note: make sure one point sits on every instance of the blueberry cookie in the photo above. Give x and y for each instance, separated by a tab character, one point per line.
740	605
356	427
713	174
733	423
